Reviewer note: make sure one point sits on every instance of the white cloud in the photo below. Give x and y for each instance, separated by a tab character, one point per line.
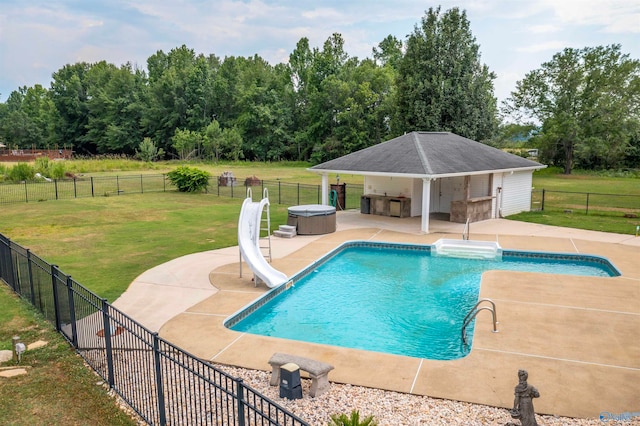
548	46
323	13
614	16
543	29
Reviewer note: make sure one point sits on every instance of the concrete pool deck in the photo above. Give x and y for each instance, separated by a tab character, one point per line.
579	337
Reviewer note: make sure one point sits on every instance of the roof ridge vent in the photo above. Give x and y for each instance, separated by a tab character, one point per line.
423	157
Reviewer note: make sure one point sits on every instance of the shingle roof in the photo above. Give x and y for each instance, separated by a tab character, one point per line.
427	154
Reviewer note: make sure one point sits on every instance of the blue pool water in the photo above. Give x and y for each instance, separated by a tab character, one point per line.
396	299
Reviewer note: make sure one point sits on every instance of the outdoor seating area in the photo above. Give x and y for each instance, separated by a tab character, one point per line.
318	371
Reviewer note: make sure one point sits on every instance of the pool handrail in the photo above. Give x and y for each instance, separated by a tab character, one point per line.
472	314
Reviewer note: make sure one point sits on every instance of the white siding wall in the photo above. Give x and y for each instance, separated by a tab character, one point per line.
516	192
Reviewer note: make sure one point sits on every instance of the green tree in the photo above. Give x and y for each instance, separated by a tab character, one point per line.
178	95
388	52
114	107
300	69
588	101
148	151
28	118
186	143
442	84
69	94
212	141
232	144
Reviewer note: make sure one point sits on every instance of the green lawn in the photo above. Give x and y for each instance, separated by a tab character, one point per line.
58	388
571	208
105	242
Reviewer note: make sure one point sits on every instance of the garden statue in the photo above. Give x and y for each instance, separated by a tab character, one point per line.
523	402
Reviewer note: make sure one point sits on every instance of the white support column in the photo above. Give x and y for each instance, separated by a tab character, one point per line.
426	201
325	189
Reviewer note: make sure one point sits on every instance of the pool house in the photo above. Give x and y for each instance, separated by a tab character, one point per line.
427	173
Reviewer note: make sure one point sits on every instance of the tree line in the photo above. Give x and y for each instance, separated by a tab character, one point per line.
581	108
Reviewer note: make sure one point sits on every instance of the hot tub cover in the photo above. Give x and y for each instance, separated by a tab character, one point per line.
309	210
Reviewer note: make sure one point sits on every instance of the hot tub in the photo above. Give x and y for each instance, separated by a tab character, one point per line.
312	219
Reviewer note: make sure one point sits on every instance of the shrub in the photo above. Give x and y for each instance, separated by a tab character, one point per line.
57	170
41	165
189	179
20	172
48	168
353	420
148	151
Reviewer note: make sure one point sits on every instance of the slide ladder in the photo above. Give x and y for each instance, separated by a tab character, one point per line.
254	220
265	228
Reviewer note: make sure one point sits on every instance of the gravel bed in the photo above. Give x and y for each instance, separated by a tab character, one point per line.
393	408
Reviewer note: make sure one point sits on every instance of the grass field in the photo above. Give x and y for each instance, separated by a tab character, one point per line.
105	242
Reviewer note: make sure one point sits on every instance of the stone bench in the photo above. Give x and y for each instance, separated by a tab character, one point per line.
318	371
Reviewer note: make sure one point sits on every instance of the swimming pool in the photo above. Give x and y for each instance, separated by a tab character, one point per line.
392	298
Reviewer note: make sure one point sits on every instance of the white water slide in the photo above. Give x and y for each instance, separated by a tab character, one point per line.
249	241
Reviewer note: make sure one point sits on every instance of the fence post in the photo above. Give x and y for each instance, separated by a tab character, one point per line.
72	313
542	207
240	391
29	268
55	183
6	266
56	303
156	357
298	193
279	193
141	185
164	183
587	212
26	193
117	185
107	342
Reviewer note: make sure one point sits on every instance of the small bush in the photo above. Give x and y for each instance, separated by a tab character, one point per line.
148	151
189	179
57	170
48	168
41	165
20	172
353	420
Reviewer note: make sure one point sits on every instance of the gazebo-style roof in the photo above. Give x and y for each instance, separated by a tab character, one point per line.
427	154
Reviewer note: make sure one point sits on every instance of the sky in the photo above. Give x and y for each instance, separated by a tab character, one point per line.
39	37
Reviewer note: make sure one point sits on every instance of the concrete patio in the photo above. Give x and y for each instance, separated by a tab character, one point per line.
579	337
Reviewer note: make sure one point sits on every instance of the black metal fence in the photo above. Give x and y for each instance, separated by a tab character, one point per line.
585	202
279	192
290	194
164	384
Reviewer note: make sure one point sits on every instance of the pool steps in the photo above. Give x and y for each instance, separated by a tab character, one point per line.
467	249
285	231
